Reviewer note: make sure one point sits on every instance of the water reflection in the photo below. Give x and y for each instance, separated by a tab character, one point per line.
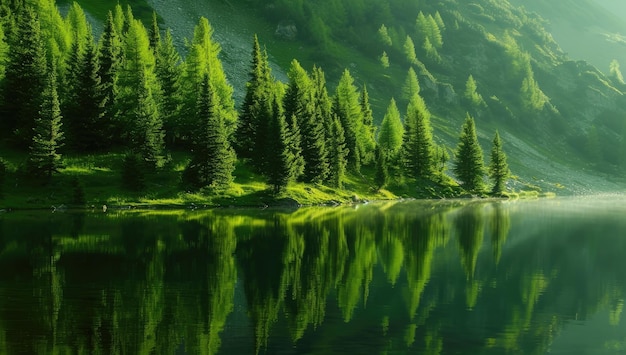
425	277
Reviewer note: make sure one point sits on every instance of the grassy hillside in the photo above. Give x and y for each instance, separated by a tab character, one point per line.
498	43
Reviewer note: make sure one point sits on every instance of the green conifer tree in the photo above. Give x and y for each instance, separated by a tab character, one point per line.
498	167
338	154
468	165
213	160
300	103
25	78
281	158
381	177
391	132
169	75
4	53
367	136
202	58
255	108
109	55
44	158
348	109
83	123
145	127
418	145
154	33
411	85
409	50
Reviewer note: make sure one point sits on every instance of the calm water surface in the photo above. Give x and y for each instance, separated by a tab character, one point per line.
439	277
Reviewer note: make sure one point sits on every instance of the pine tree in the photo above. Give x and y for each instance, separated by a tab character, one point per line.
409	50
213	160
4	53
381	177
383	35
469	166
109	55
391	132
418	145
281	160
471	94
384	60
169	75
255	108
83	117
411	85
348	109
43	157
338	155
154	33
202	58
498	167
368	130
25	79
147	128
300	103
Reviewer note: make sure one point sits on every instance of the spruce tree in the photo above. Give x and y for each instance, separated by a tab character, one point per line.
43	157
109	55
338	155
418	145
202	58
469	166
368	130
154	33
391	132
213	160
145	126
255	108
83	123
381	177
281	159
498	167
25	79
4	54
169	75
348	109
300	103
411	85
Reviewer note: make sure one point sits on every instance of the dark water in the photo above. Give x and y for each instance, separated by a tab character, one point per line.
410	277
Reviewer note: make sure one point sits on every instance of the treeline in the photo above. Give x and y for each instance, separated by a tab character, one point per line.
131	90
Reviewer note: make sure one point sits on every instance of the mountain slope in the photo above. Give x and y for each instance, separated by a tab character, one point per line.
548	108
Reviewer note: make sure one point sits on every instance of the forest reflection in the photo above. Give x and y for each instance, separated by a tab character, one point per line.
419	276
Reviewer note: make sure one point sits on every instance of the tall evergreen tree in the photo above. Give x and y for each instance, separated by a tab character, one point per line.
202	58
348	109
338	154
368	130
154	33
87	135
469	166
498	167
169	75
409	50
145	126
25	79
391	131
109	55
418	145
137	81
213	160
300	103
255	109
4	54
282	159
43	157
381	176
411	85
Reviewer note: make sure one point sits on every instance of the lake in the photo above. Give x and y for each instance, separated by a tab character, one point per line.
431	277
